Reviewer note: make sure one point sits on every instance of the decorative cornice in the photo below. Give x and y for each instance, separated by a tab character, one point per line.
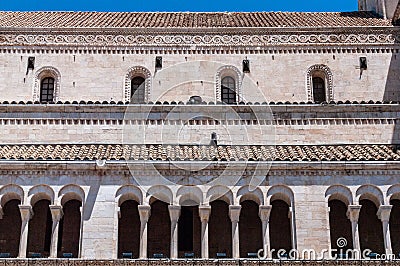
181	40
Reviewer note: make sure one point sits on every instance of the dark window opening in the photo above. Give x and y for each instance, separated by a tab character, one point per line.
228	90
47	90
280	227
340	227
319	90
189	232
69	229
39	231
137	90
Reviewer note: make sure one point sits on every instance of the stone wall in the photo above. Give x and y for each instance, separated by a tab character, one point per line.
101	77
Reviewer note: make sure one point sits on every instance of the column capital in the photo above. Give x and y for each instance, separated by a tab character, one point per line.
26	212
204	213
144	212
56	212
264	211
174	212
234	212
353	212
384	212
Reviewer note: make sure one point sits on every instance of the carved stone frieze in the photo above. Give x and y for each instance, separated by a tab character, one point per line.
206	39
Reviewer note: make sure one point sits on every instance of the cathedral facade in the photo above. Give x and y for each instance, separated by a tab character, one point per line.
230	136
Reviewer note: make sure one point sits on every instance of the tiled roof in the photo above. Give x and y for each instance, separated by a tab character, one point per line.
88	152
187	19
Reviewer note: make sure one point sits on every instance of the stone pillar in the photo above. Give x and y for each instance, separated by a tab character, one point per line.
353	214
26	215
174	213
1	212
234	214
384	216
204	213
56	214
144	213
263	213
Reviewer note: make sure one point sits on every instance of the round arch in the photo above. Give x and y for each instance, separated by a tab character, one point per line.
43	72
10	192
370	192
160	192
190	194
39	192
224	71
280	192
129	192
339	192
327	76
71	192
255	195
133	72
219	192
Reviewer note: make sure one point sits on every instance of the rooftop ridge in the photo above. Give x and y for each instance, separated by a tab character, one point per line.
259	19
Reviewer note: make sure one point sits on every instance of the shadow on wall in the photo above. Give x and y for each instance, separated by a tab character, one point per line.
392	91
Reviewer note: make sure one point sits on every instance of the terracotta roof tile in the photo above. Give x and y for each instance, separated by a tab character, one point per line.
118	152
187	19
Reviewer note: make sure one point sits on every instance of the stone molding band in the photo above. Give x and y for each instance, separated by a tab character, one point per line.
207	39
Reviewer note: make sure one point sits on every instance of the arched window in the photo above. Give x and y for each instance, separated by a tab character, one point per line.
47	89
319	84
137	85
228	90
138	90
319	91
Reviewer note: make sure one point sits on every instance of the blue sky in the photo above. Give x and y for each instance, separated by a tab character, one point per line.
179	5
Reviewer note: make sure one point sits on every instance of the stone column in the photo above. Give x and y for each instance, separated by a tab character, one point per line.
263	213
204	213
234	214
144	213
26	215
56	214
353	214
174	213
384	216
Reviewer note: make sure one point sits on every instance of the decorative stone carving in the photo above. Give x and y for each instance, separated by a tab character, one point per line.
264	212
353	212
234	212
384	212
204	213
235	73
206	39
131	73
44	72
328	79
144	212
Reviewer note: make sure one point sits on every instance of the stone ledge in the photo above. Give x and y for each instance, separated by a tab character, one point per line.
193	262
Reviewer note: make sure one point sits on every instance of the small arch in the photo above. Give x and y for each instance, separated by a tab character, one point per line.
137	71
129	192
339	192
234	73
71	192
46	72
219	192
280	192
40	192
189	195
10	192
393	193
160	192
256	195
319	75
371	193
